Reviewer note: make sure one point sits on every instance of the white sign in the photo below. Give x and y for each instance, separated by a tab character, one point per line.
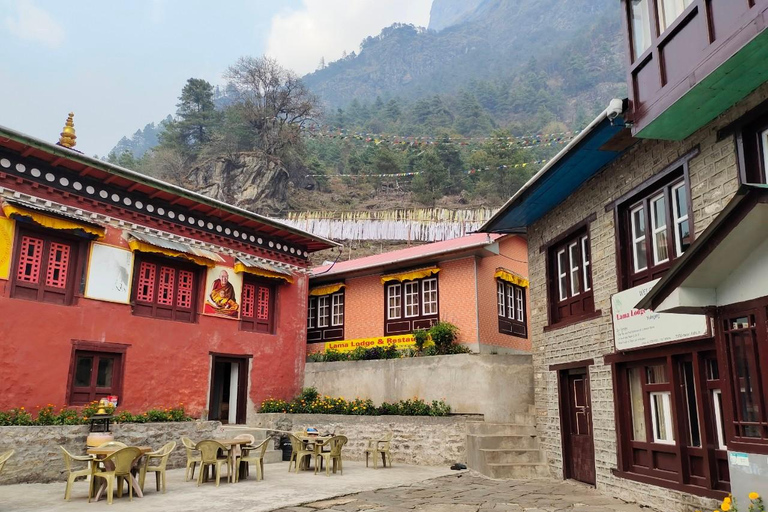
636	328
109	274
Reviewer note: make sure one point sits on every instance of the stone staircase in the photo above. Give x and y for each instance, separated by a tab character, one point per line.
270	457
506	450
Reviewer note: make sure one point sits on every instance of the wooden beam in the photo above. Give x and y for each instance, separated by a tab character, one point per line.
56	162
27	151
110	179
156	194
85	172
133	187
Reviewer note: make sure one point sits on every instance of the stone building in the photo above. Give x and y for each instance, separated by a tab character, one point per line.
113	283
650	406
477	282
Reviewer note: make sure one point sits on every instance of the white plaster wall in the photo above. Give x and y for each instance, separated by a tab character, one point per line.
748	281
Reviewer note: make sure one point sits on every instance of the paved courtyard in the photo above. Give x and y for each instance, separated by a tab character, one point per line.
398	489
464	492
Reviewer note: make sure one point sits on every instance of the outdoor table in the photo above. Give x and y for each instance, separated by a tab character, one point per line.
308	440
101	453
234	445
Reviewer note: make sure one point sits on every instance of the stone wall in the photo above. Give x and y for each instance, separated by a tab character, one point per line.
714	181
419	440
38	458
497	386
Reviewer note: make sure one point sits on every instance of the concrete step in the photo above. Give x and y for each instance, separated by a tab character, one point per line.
502	429
521	471
492	442
503	456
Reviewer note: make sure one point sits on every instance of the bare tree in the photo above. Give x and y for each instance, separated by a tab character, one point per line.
273	101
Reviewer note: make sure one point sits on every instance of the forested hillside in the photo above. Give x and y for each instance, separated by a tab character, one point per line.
462	113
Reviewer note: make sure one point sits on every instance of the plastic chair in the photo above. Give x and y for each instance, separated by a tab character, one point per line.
209	456
72	473
298	452
160	460
4	458
118	465
332	457
253	454
379	446
192	457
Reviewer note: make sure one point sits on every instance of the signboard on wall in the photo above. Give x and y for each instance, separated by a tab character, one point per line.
639	328
402	341
109	274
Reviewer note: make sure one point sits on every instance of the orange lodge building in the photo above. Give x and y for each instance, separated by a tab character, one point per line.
115	283
478	283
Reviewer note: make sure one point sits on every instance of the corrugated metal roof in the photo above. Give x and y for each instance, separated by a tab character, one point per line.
411	253
176	246
54	210
263	265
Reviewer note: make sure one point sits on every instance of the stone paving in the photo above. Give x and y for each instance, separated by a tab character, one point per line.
465	492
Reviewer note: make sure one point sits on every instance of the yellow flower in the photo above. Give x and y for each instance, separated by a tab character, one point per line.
754	496
726	506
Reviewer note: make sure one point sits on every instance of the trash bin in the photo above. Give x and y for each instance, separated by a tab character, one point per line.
285	445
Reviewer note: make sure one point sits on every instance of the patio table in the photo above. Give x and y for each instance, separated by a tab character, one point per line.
102	453
311	440
234	446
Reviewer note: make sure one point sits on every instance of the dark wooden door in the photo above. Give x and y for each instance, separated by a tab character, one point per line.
229	386
578	441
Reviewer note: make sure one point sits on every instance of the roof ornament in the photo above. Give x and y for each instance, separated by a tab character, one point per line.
68	136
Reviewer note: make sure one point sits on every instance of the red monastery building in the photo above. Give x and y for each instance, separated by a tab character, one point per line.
115	283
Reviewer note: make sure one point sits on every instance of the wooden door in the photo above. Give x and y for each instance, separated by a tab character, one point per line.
576	414
229	386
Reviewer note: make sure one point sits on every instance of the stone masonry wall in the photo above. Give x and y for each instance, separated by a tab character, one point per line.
38	458
714	181
418	440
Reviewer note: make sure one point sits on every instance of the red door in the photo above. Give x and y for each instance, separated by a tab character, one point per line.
576	413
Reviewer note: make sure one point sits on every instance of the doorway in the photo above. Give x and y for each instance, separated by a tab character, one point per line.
229	389
576	425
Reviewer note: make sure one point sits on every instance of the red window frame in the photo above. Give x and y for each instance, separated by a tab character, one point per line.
257	310
50	269
82	395
574	306
330	332
405	323
165	288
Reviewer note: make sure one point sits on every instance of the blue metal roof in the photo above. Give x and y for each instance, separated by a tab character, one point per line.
566	172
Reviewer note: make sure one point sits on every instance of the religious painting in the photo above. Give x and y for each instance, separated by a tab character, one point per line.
222	292
109	274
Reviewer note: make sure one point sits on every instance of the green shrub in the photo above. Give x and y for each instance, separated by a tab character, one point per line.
334	355
360	407
443	335
420	336
48	416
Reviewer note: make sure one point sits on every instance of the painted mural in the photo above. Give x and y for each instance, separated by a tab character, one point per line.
109	274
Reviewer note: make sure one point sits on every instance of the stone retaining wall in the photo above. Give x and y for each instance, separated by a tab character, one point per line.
496	386
419	440
38	458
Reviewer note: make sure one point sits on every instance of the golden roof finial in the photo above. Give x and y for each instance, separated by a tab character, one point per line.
68	136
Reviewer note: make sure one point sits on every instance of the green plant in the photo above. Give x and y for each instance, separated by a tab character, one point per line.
309	403
443	334
334	355
47	415
420	337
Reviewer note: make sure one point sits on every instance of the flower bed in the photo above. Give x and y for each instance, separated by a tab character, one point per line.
48	416
310	402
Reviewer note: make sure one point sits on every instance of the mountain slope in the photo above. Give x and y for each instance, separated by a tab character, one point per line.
490	42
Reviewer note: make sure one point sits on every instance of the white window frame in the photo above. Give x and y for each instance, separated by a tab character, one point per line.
638	240
764	140
642	22
311	313
337	309
666	404
562	276
323	311
585	284
391	289
679	5
655	229
428	305
500	295
520	301
717	407
510	301
410	298
574	268
679	220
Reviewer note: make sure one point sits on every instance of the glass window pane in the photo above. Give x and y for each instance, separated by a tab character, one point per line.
500	298
713	372
661	414
510	302
640	258
670	10
717	403
690	401
104	373
573	254
681	202
641	26
659	226
764	137
657	374
83	369
562	266
746	393
638	222
638	408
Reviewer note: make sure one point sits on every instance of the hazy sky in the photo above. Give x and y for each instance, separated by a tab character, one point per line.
121	65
